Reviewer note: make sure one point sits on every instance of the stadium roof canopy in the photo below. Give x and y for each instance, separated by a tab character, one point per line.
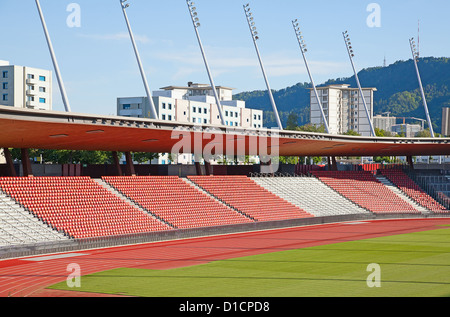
24	128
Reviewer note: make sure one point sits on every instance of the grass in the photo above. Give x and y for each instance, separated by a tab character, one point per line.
411	265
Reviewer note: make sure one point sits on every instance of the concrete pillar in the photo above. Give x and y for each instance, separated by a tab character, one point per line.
129	167
116	163
26	164
9	162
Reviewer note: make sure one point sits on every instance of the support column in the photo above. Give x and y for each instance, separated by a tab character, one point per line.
129	167
198	167
410	162
117	163
9	162
207	168
26	164
334	163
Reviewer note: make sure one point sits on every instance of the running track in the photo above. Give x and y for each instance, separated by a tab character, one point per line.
28	277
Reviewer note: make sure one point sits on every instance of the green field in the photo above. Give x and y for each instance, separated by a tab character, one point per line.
416	264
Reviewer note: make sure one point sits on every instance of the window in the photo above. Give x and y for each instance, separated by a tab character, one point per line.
231	114
5	85
41	100
193	120
236	114
164	105
30	76
226	113
205	121
126	106
194	110
5	74
41	78
170	106
259	117
164	117
5	97
41	89
30	98
205	110
169	117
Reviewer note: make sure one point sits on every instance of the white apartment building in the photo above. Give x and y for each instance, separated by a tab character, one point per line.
194	103
25	87
343	108
384	123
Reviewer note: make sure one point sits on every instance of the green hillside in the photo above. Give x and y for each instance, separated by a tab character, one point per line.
397	92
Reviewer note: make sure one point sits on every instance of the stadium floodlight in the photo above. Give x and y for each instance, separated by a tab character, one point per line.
153	111
196	24
415	56
62	89
303	49
255	37
351	54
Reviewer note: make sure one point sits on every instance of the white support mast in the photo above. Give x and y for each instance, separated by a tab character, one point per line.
415	56
196	23
153	111
62	89
303	48
255	37
351	55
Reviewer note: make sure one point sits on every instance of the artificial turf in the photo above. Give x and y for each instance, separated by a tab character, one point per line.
410	265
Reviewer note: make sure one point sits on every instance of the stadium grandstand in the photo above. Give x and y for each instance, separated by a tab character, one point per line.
81	207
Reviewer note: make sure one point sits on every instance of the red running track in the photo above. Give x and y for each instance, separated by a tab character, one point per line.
28	277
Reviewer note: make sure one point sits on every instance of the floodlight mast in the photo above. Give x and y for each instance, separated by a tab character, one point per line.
196	24
415	56
153	111
351	55
255	37
303	49
55	62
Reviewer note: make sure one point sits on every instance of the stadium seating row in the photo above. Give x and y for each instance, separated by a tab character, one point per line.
52	208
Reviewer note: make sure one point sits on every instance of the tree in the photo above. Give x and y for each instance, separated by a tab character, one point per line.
351	132
292	121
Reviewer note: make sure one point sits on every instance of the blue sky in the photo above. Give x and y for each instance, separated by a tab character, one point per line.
98	64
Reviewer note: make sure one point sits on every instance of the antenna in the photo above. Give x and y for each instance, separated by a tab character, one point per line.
55	62
303	48
255	37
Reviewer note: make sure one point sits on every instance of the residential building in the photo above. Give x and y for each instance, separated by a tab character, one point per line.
25	87
384	122
410	130
343	108
194	103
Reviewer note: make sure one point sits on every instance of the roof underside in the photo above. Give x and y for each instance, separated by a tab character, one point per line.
20	128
